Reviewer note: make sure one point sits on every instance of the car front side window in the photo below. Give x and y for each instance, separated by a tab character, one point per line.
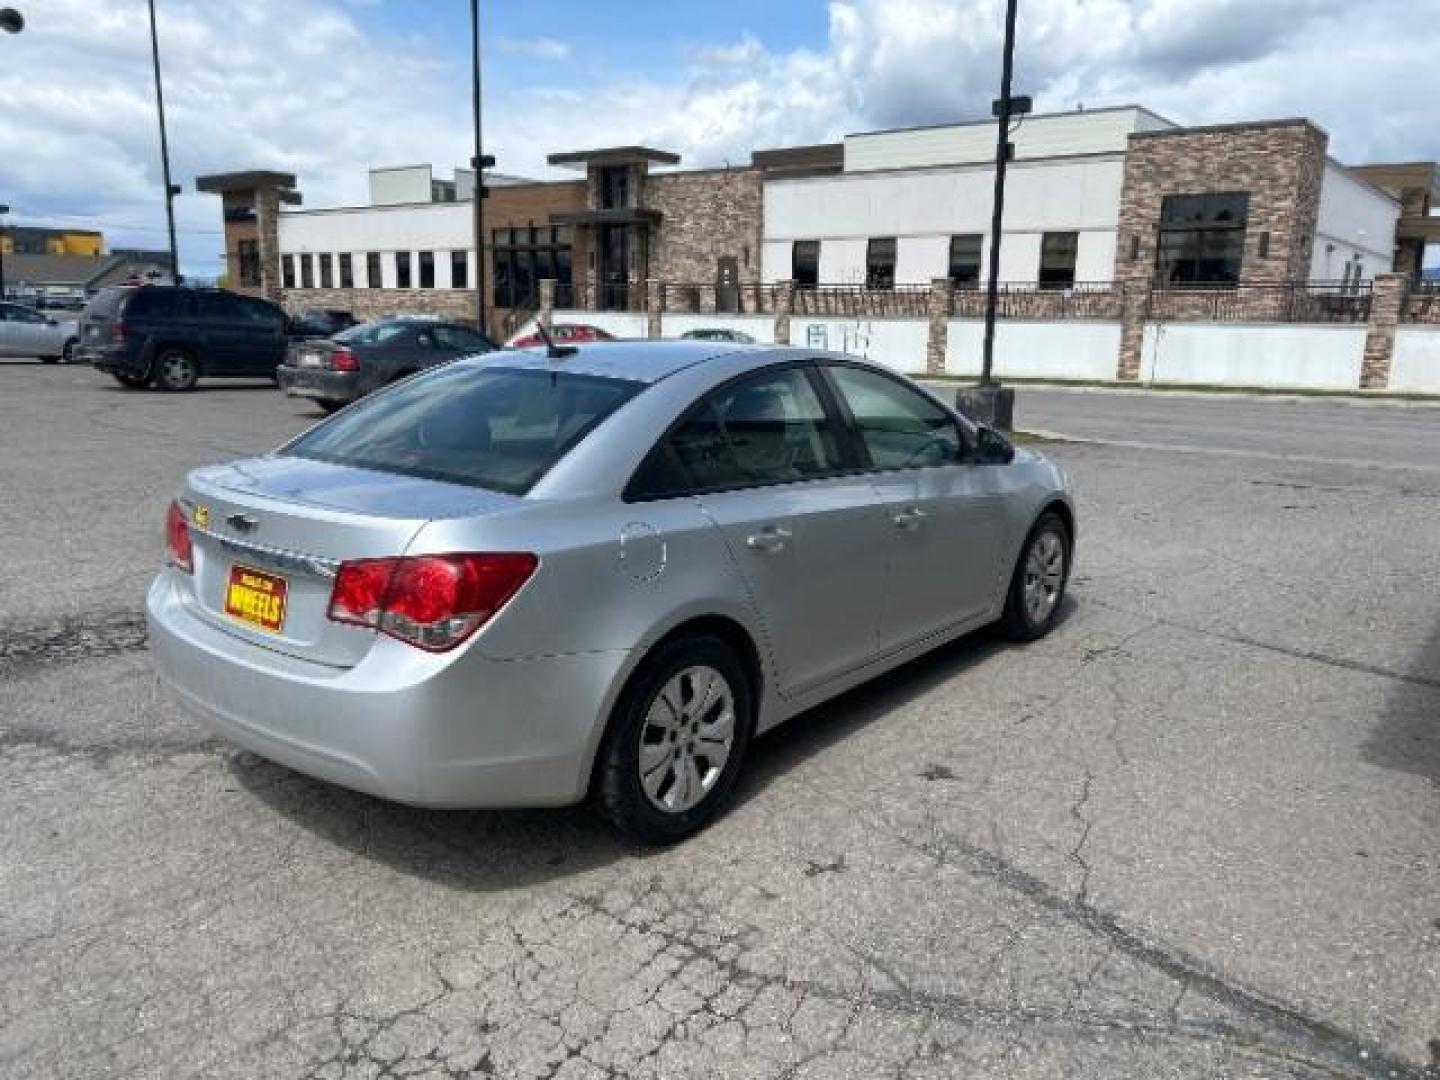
899	427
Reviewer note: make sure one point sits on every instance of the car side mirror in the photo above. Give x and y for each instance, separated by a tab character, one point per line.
992	448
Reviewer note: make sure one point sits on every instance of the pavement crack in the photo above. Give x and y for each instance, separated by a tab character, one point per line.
69	639
1082	893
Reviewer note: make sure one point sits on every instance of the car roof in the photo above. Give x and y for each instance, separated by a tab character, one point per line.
636	361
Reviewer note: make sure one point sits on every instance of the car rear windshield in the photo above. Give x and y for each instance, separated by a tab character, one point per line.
105	303
469	424
372	333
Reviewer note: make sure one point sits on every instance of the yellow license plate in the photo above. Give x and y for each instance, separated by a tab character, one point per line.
256	597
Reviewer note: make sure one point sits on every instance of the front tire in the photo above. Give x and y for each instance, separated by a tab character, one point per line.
176	370
676	741
1037	588
68	355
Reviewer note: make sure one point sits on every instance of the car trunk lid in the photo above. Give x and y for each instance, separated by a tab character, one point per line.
268	535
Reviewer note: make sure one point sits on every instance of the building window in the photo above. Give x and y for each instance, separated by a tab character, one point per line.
614	187
427	269
327	271
965	260
287	271
307	271
373	279
459	270
805	263
523	257
347	273
248	252
1057	259
1202	239
402	269
880	263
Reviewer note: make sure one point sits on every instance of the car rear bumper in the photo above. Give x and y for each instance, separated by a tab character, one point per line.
428	730
111	360
319	384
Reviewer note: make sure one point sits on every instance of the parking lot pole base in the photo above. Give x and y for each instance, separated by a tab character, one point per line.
990	404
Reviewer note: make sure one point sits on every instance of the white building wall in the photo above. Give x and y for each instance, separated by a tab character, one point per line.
1356	223
1101	131
402	184
1033	350
924	208
1415	365
428	227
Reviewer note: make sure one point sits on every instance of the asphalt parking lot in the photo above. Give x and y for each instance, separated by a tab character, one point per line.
1191	834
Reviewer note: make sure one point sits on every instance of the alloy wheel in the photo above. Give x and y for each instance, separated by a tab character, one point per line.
686	739
1044	576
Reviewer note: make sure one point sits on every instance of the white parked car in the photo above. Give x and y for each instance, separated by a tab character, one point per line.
26	332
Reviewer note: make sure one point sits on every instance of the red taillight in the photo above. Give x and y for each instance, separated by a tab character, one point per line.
433	602
177	537
342	359
117	333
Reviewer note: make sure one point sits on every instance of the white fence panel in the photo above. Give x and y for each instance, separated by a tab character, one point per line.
1034	350
899	344
1415	366
1254	354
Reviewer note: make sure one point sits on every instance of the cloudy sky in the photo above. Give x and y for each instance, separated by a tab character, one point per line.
327	88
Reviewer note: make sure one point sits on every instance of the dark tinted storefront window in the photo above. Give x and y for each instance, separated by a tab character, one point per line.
1202	238
427	269
372	270
287	271
459	270
1057	259
249	253
347	273
402	269
307	271
327	272
965	260
880	263
522	257
805	262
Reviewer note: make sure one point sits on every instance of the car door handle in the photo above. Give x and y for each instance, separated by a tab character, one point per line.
909	518
770	538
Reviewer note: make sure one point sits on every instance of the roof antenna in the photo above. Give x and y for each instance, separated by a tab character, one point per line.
553	351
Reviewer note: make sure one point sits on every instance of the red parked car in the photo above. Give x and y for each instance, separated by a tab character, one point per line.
563	334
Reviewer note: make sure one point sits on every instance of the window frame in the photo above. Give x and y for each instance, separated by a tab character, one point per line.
327	270
1196	237
287	271
1045	237
425	279
795	246
247	259
979	239
968	437
374	271
844	438
404	259
345	270
873	279
459	261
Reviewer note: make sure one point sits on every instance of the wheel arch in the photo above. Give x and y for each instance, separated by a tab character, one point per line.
726	628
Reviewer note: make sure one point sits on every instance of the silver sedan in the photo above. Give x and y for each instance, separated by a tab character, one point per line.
26	332
535	577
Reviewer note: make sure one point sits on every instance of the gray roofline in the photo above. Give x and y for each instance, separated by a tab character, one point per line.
613	153
1032	116
401	168
1242	125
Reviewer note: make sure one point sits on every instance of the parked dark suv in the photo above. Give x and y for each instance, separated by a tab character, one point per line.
172	335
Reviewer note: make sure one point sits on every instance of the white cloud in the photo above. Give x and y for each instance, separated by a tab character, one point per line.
301	85
542	48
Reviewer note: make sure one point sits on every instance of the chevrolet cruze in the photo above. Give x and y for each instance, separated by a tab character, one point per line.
594	571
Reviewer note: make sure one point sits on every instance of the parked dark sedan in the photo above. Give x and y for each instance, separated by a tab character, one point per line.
337	370
320	323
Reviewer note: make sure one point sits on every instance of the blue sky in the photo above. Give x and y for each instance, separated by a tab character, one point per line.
328	88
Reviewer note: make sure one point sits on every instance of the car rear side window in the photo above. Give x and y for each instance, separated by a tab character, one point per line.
158	304
467	424
769	428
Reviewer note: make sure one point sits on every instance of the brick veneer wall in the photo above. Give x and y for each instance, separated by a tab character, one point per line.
366	304
706	215
1280	163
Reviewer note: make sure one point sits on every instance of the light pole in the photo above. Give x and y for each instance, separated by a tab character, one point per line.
479	161
3	211
989	402
171	190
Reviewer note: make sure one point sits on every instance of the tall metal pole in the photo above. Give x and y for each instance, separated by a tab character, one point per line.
164	149
477	162
1002	147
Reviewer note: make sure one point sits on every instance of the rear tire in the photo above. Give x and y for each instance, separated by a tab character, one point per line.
68	356
1037	588
176	370
676	741
328	407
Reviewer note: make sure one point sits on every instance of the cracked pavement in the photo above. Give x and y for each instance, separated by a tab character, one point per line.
1191	834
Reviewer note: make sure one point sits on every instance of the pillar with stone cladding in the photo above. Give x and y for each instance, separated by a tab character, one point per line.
1387	303
545	316
267	229
784	305
942	292
1134	305
653	308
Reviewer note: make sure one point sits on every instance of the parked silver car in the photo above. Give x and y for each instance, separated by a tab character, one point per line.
26	332
527	578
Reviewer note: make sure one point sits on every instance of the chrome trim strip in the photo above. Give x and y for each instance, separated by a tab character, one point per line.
286	560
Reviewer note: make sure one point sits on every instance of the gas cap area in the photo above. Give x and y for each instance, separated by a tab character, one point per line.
642	551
